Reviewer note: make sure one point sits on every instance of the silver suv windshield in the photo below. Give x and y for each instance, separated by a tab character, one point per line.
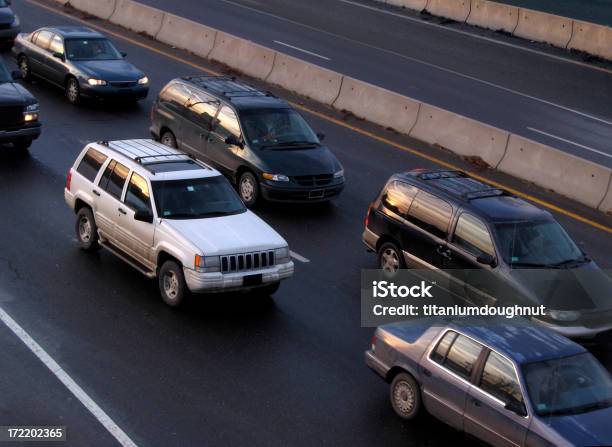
537	244
570	385
277	129
196	198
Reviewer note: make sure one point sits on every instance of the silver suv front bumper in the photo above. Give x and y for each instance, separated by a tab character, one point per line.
225	282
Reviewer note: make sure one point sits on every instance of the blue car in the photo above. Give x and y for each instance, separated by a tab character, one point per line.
504	384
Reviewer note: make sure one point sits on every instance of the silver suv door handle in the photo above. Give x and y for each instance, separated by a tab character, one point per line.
96	192
122	211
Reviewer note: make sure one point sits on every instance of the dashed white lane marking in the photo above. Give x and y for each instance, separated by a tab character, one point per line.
302	50
68	382
299	257
605	154
428	64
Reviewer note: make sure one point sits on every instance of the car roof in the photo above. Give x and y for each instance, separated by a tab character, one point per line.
482	199
154	160
68	32
240	95
517	339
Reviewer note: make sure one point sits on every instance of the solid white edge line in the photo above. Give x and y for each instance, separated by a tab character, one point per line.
605	154
299	257
418	61
68	382
302	50
477	36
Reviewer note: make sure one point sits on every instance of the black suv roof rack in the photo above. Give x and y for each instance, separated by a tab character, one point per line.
459	184
226	86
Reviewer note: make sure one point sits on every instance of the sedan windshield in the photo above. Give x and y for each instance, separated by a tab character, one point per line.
91	50
277	128
570	385
537	244
5	76
196	198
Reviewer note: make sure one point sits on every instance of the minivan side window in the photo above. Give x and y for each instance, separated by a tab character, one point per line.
398	198
431	214
175	94
228	122
203	107
138	196
473	236
438	355
499	379
462	356
91	163
113	179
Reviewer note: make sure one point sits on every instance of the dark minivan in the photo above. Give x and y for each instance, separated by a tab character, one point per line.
257	140
492	247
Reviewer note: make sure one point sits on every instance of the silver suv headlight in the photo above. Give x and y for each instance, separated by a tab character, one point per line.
207	264
282	255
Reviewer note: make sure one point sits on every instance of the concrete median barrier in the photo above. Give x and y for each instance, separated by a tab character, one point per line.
305	78
417	5
138	17
187	35
99	8
606	203
243	55
451	9
493	15
377	105
592	39
461	135
571	176
543	27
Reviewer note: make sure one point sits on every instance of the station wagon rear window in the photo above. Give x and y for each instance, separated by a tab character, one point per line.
91	163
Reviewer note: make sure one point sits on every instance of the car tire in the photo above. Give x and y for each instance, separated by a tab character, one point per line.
405	396
167	138
73	91
268	290
248	189
24	68
172	286
87	230
390	258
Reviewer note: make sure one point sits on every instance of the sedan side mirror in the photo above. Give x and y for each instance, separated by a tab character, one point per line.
321	136
486	259
233	140
143	216
516	407
16	74
60	56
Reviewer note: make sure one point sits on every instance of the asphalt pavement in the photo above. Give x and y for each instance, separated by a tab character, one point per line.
225	370
533	90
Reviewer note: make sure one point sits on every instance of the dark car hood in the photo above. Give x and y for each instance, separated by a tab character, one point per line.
585	288
112	70
6	16
591	428
293	162
13	94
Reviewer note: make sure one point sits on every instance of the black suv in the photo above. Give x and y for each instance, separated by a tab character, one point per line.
496	246
19	123
256	139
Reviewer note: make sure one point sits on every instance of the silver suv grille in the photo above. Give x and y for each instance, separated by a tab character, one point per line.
247	261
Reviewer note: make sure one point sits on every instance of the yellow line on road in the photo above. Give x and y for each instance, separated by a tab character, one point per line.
338	122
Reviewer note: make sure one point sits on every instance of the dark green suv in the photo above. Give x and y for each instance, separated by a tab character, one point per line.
257	140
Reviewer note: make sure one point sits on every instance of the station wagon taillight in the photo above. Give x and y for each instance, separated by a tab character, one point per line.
367	218
373	342
68	179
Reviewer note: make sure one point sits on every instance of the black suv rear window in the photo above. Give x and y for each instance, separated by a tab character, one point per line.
91	163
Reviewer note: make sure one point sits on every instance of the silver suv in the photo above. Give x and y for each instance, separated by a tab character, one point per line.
174	218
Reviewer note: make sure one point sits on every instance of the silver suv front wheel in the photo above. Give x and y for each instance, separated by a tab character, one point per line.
172	286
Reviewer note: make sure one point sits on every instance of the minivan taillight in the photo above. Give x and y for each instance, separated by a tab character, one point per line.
373	342
68	179
367	218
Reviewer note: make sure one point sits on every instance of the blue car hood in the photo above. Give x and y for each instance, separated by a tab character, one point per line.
591	428
111	70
